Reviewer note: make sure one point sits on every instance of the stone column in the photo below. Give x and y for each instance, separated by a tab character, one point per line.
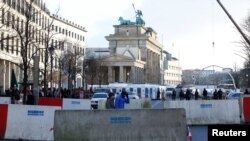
110	76
141	75
136	72
138	75
132	75
153	67
121	74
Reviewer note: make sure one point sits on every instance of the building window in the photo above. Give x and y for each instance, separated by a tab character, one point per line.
22	26
52	27
17	24
43	21
62	31
39	35
42	38
7	43
3	16
12	45
17	43
59	29
22	7
14	4
29	50
33	32
55	43
18	6
56	28
41	54
8	19
56	62
9	3
2	40
39	18
13	21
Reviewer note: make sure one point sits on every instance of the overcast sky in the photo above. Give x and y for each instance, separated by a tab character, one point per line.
186	28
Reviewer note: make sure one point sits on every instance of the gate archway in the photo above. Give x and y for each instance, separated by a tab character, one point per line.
214	75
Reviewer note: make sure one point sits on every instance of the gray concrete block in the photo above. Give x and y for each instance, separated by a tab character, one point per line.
120	125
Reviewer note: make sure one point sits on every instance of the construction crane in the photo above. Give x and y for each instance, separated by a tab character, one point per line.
235	24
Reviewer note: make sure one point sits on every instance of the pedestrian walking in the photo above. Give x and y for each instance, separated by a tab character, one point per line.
173	94
246	92
196	95
110	103
121	99
204	93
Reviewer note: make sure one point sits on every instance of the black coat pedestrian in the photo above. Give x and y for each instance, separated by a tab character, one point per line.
196	95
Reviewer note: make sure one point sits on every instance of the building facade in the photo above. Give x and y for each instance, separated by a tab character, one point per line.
172	71
134	55
32	20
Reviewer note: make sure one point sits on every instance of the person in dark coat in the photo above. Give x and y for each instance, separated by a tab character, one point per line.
204	93
246	92
220	94
110	103
158	94
30	98
188	94
121	99
215	94
173	94
181	94
196	94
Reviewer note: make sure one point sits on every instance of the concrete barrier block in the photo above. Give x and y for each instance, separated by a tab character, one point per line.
205	112
120	125
30	122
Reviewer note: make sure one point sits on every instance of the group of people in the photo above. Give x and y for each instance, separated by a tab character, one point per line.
117	102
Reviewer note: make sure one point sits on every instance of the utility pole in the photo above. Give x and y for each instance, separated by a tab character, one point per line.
36	79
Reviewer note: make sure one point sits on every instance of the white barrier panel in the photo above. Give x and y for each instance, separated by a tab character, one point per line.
30	122
5	100
203	112
76	104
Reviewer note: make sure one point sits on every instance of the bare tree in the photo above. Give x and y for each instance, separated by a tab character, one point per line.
49	48
101	73
71	63
245	54
27	37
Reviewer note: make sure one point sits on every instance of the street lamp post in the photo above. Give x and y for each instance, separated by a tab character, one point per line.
51	50
247	80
